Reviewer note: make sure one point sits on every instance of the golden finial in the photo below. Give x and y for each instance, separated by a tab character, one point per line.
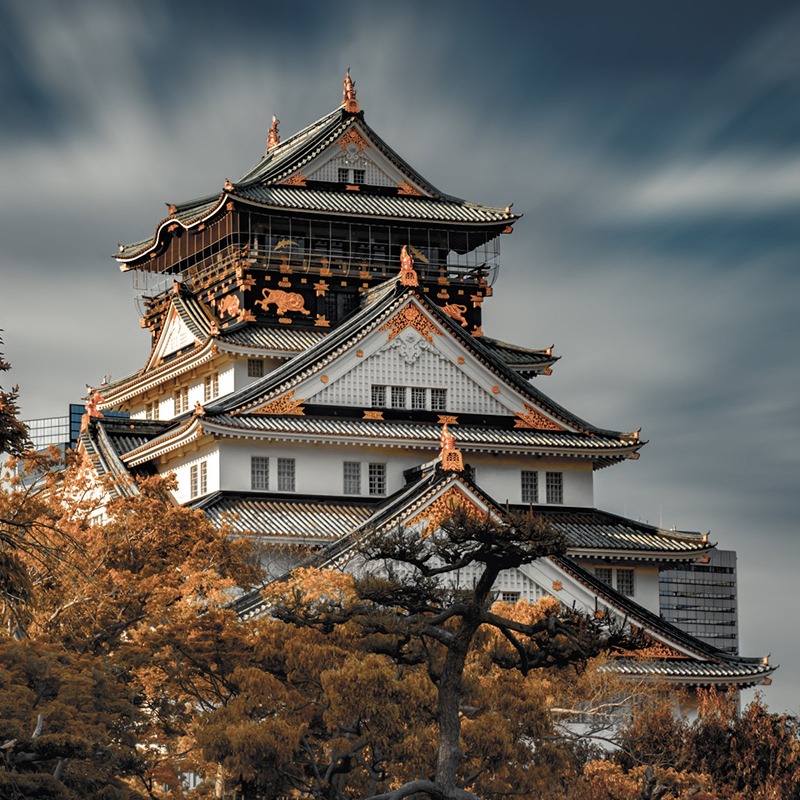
450	456
199	411
408	277
273	137
349	95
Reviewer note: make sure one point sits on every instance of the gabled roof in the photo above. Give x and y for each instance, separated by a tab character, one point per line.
277	183
686	658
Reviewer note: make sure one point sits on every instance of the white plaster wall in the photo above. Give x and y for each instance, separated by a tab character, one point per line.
318	469
645	581
501	477
181	467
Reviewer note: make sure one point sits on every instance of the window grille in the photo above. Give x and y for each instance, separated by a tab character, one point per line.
198	479
377	479
344	175
509	597
417	398
378	396
180	398
530	486
286	475
255	368
625	582
398	396
259	473
438	399
352	477
555	487
358	176
152	410
211	387
603	574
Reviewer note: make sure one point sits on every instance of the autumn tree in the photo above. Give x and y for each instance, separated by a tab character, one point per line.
13	432
427	601
86	722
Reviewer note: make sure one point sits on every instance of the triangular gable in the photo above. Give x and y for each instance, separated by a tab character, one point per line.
411	349
354	150
174	336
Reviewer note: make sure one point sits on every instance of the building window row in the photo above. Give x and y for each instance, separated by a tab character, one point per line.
620	578
211	387
554	487
180	400
255	368
286	476
417	398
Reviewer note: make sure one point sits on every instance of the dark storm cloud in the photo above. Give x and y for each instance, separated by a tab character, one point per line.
653	148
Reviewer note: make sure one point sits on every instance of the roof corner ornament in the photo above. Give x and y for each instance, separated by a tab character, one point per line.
408	276
450	456
273	137
228	185
349	95
92	408
199	411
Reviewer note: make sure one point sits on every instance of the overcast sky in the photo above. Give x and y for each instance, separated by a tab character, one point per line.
653	148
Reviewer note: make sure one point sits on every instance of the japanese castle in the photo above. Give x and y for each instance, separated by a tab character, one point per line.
319	368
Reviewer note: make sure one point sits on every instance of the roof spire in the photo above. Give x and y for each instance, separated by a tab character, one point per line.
450	456
349	95
408	276
273	137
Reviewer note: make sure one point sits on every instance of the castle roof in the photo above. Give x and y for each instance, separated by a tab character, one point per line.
283	181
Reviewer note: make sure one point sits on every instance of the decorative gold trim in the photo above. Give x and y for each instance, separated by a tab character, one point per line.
228	305
447	419
295	180
456	311
324	378
352	136
557	586
377	415
460	359
285	320
322	321
477	332
404	187
349	94
408	277
495	390
477	300
533	418
450	456
283	301
350	187
443	294
273	137
228	186
287	404
360	353
411	317
442	508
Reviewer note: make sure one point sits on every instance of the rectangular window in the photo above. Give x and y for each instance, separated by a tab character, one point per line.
603	574
211	387
259	473
180	398
379	397
509	597
344	175
398	396
198	479
625	583
555	487
352	477
377	479
438	399
358	175
152	410
255	368
530	486
417	398
285	474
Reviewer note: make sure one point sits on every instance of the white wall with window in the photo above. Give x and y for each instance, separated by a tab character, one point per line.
197	474
637	581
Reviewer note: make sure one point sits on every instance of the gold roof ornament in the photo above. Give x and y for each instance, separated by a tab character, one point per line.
450	456
273	137
349	94
408	277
